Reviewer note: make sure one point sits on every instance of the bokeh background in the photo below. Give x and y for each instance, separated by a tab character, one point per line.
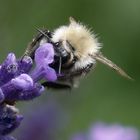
102	95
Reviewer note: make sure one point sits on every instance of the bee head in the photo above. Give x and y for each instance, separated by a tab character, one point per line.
78	41
64	57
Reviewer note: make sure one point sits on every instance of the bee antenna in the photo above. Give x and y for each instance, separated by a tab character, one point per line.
42	32
99	57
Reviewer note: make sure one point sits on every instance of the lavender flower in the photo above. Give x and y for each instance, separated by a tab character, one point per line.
43	57
9	69
16	83
21	88
9	120
25	64
101	131
19	82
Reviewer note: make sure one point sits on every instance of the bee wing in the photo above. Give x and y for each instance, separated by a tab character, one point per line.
99	57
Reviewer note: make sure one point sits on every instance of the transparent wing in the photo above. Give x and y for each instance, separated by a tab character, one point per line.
99	57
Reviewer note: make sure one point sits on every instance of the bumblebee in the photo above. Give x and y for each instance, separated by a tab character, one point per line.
76	51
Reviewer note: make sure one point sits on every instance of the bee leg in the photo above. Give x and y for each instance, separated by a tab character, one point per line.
88	68
57	85
80	72
33	45
83	71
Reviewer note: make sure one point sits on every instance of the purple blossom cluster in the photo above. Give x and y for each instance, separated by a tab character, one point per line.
102	131
9	120
20	81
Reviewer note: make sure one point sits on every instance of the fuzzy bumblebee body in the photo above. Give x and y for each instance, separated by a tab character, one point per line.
81	39
76	52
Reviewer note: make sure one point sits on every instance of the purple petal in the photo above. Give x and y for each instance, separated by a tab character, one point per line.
31	93
44	54
13	93
25	64
10	63
11	58
101	131
9	69
50	74
2	97
23	81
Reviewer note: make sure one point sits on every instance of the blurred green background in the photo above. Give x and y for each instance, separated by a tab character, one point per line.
102	95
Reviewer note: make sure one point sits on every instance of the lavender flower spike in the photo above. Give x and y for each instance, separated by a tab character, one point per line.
21	88
17	83
23	81
9	120
44	56
102	131
9	69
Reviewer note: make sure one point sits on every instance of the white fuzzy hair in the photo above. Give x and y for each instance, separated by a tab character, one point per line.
81	38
